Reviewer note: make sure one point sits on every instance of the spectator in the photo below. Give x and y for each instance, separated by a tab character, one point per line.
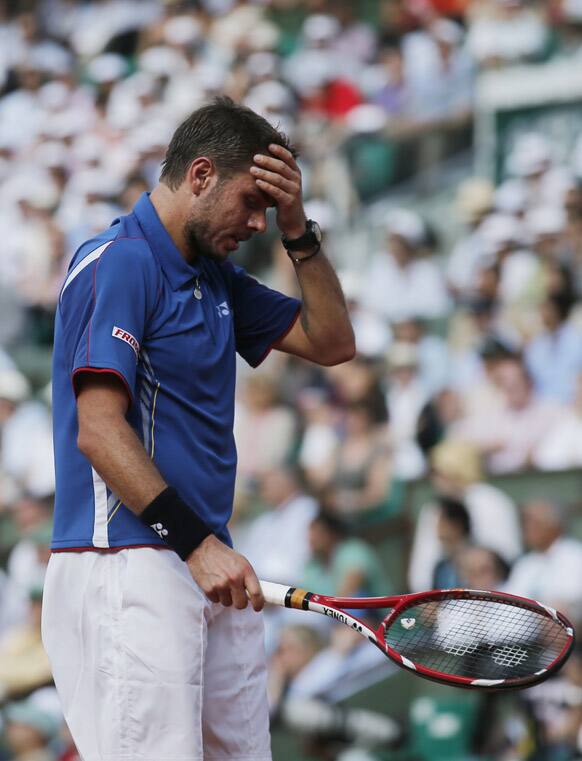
357	478
406	397
482	568
263	429
562	445
507	32
24	665
482	396
551	569
433	359
275	542
400	281
456	472
473	203
554	358
393	91
320	439
556	706
26	452
30	728
439	72
509	438
340	565
30	555
453	531
13	604
298	644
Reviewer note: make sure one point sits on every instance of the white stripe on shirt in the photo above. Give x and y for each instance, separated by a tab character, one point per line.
85	263
100	534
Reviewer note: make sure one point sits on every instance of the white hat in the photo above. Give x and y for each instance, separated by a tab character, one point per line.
182	30
51	154
51	58
406	224
99	216
270	96
162	61
210	76
532	154
263	37
511	197
140	84
44	195
147	137
13	385
545	220
54	95
366	119
447	31
320	27
498	230
88	148
34	186
97	182
107	67
262	64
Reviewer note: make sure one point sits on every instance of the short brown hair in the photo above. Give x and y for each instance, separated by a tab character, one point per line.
226	132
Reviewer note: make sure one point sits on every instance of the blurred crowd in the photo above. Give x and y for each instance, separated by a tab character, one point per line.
469	364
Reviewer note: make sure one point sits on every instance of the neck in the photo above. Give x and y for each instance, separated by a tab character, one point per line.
167	204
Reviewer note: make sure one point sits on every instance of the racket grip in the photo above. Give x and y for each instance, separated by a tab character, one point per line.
274	593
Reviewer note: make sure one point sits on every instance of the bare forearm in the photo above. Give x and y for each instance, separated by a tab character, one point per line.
324	314
119	457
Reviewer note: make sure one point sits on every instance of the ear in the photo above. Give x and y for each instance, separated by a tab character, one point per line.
200	174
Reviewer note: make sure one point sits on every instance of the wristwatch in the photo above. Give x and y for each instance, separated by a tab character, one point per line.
311	239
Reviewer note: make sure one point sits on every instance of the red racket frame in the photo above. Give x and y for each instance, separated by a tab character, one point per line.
292	597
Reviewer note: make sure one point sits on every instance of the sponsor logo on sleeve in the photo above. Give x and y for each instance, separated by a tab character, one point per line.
123	335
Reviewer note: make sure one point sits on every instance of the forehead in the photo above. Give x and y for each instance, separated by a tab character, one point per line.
243	183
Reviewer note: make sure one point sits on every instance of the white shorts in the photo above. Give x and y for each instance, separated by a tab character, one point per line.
147	669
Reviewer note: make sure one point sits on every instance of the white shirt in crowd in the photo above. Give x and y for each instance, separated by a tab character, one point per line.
276	542
392	291
494	524
552	577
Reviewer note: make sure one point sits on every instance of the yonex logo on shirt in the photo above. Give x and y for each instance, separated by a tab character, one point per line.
123	335
222	309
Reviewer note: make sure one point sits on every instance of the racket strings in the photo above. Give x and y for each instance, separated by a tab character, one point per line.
477	639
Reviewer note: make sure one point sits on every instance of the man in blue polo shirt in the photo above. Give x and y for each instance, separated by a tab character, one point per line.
154	651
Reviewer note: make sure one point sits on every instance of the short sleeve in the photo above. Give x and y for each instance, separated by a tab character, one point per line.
105	311
261	316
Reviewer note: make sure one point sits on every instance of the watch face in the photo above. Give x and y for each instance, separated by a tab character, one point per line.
316	230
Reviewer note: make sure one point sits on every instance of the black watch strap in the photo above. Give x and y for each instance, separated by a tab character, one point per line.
311	239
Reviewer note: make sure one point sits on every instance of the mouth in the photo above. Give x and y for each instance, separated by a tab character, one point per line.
232	242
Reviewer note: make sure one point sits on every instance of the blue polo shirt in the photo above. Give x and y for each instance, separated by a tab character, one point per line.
129	306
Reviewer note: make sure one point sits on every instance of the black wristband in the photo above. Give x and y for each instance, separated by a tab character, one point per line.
172	520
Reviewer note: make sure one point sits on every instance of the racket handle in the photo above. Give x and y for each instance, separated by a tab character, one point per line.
274	593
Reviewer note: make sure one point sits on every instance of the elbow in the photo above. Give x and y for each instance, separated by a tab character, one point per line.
90	438
340	353
85	442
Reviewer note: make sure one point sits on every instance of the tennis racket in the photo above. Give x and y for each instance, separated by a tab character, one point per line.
461	637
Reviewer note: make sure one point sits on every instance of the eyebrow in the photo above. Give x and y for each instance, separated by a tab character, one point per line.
260	195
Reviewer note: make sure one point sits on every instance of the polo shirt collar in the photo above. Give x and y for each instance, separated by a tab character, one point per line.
175	267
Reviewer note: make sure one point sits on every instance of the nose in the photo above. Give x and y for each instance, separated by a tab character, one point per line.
258	221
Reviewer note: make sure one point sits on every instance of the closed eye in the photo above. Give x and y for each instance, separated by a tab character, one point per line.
258	203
